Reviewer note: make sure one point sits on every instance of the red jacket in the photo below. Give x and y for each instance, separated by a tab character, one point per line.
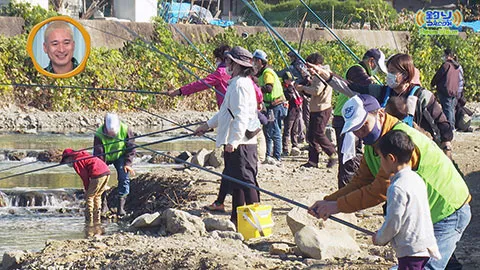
88	168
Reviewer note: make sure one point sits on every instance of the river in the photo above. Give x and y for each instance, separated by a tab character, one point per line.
60	214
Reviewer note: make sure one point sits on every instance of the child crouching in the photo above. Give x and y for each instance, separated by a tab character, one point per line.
94	174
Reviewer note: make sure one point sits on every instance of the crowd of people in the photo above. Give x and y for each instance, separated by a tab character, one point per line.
394	142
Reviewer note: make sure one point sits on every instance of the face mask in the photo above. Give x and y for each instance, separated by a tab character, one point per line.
444	58
373	136
392	80
375	70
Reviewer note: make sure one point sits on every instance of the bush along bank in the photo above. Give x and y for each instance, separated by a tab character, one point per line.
136	66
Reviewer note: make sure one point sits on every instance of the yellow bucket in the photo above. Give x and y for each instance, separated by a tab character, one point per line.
254	220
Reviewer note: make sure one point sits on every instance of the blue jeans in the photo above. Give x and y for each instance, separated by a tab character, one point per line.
123	177
448	106
272	132
448	232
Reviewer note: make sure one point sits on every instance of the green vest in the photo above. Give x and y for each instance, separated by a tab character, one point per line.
341	98
446	189
113	144
277	90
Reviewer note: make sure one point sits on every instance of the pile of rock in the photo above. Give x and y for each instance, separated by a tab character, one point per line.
173	221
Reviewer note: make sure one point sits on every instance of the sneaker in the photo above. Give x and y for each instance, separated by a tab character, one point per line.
332	162
215	207
295	151
309	165
284	154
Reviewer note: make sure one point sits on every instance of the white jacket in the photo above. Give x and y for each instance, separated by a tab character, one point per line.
238	109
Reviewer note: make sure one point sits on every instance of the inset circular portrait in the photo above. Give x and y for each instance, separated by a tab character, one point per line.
59	47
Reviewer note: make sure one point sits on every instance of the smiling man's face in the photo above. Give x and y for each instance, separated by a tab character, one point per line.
59	46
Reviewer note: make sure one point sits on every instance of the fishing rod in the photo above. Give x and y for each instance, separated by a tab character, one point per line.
99	155
195	47
161	117
122	38
169	57
335	35
237	181
267	24
116	141
83	87
273	38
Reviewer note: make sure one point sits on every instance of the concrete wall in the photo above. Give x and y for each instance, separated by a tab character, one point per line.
111	34
397	40
11	26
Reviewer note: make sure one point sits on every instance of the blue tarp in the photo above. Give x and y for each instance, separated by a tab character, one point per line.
474	25
172	12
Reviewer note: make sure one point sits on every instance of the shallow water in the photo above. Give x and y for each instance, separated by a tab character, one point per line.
28	228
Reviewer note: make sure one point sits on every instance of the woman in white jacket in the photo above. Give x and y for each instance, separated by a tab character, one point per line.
238	113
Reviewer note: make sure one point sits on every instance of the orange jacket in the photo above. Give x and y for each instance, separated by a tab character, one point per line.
366	190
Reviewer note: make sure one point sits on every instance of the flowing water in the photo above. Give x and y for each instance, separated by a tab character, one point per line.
48	205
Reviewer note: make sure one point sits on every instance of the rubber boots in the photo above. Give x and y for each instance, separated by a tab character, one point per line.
121	206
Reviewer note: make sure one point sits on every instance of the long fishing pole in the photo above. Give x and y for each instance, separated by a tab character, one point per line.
169	57
102	154
193	46
84	87
122	38
267	24
335	35
161	117
113	142
237	181
273	38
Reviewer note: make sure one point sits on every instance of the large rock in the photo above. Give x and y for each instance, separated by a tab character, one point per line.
200	157
298	218
325	244
147	220
216	224
13	259
178	221
215	158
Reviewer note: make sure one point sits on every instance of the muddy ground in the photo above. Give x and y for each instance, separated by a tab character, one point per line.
150	250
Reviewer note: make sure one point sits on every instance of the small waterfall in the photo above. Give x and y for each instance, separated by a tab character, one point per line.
54	198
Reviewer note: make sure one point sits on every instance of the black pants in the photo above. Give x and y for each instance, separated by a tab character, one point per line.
241	164
345	171
291	128
316	135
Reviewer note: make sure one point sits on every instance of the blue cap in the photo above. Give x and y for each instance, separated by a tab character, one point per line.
260	55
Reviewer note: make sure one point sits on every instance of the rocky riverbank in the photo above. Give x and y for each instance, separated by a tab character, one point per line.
160	248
